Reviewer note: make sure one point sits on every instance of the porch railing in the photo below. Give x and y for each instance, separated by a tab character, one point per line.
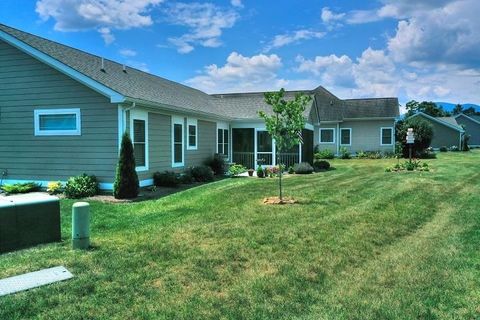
247	159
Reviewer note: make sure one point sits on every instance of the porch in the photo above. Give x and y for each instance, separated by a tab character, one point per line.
252	147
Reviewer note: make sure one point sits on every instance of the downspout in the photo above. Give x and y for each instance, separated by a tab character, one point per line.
338	138
133	106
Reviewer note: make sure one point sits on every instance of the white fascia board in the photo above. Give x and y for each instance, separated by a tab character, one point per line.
114	96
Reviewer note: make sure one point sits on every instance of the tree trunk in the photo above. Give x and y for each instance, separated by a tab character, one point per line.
280	177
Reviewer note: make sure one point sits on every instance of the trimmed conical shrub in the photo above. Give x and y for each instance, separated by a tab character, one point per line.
126	180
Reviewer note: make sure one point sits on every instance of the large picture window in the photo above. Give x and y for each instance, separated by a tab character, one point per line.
177	142
327	135
222	141
139	134
57	122
386	136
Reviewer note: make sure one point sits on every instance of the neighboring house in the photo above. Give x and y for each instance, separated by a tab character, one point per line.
471	124
63	112
446	131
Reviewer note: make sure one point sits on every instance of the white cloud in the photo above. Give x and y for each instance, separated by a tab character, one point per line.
205	22
328	15
237	3
101	15
128	52
329	70
240	73
294	37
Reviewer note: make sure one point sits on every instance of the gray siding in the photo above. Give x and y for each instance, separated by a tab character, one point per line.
472	128
27	84
443	136
365	135
207	140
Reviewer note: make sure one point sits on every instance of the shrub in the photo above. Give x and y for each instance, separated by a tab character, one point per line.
81	186
324	154
443	149
126	184
236	169
321	165
54	187
454	148
25	187
465	140
423	131
260	172
202	173
166	179
217	164
186	177
290	170
362	154
303	168
344	153
427	155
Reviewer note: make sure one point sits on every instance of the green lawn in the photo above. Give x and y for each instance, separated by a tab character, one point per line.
363	244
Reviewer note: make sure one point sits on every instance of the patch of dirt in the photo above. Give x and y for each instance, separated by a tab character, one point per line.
276	200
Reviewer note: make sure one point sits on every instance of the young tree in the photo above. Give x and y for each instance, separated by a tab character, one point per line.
126	180
422	130
428	107
286	123
457	109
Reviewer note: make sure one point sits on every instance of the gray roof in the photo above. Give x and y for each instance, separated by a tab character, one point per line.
475	117
450	120
138	85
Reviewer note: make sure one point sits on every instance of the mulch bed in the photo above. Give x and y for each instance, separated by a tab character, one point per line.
276	200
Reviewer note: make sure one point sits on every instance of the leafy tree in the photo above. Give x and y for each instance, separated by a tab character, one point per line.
422	130
457	109
427	107
286	123
126	180
471	112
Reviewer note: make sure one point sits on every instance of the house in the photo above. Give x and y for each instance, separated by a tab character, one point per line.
471	124
63	112
447	132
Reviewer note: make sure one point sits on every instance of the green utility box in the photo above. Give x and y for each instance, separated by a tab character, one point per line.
28	220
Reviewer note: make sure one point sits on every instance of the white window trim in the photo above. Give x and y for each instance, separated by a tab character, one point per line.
140	115
224	126
40	112
181	121
320	136
192	122
350	141
392	137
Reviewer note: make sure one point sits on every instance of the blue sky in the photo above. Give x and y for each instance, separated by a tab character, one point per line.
423	50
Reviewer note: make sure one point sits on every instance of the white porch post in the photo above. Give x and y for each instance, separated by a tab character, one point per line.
274	153
255	147
300	146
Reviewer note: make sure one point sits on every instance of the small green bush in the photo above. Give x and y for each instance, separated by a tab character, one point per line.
166	179
303	168
290	170
454	149
81	186
236	169
126	185
344	153
186	177
202	173
54	187
324	154
260	172
321	165
25	187
217	164
443	149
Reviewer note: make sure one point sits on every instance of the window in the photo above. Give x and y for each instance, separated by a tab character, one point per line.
192	134
177	142
57	122
264	148
386	136
139	134
222	141
345	137
327	135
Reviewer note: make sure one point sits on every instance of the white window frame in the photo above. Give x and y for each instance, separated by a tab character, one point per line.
41	112
392	137
224	126
350	135
181	121
192	122
140	115
320	136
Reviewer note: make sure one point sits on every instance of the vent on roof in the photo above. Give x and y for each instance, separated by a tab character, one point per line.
103	65
124	68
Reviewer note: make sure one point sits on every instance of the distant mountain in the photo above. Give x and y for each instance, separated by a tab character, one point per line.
447	106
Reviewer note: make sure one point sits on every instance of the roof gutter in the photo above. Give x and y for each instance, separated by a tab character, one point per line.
176	109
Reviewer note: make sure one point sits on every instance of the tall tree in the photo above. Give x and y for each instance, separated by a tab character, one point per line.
126	184
427	107
286	123
457	109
